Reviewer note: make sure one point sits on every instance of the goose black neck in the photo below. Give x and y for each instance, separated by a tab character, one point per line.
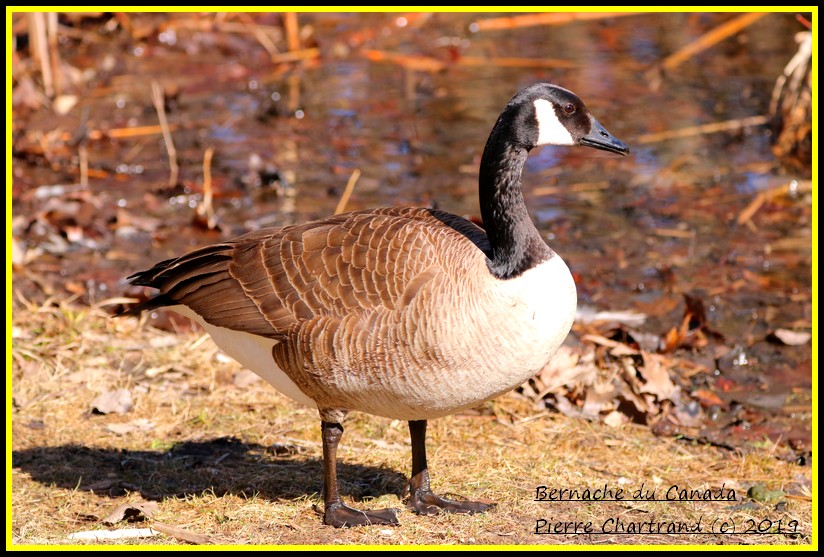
516	244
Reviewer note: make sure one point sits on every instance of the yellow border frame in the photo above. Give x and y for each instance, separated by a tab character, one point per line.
483	9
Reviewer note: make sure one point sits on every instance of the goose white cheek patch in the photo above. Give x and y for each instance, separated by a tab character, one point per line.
550	130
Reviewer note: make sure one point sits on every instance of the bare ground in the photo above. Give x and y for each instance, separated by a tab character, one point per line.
230	461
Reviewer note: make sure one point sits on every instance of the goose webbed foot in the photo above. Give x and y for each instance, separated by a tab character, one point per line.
421	498
424	501
335	512
342	516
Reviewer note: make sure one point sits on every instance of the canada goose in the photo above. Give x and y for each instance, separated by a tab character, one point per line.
403	312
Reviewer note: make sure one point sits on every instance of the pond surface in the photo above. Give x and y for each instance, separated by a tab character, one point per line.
407	100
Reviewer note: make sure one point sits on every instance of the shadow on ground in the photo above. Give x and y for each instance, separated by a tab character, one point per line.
223	466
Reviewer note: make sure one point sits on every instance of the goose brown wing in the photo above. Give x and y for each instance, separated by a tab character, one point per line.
268	281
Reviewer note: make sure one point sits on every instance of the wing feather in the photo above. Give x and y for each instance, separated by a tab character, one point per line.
269	281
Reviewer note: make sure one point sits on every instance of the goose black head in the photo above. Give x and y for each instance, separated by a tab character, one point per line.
545	114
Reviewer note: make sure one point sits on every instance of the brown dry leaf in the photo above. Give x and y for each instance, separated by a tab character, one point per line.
567	367
656	373
708	398
693	331
685	335
599	397
22	255
565	407
118	402
672	339
640	403
132	512
528	391
631	389
688	413
63	104
615	419
130	220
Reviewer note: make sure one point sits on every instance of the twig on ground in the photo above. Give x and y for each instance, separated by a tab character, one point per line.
710	38
206	209
157	100
712	127
265	41
512	22
292	30
764	196
347	193
180	534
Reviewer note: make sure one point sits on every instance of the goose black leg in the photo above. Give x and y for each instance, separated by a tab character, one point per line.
336	513
421	498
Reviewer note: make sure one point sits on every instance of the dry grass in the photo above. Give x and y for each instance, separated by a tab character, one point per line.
241	464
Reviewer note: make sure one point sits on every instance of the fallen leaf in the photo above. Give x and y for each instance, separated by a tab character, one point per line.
790	338
708	398
688	413
132	512
759	492
143	424
36	424
128	219
630	391
672	340
121	429
244	378
118	402
140	424
588	314
598	398
101	485
164	341
657	377
693	329
565	368
695	311
18	253
282	449
565	407
726	385
615	419
64	103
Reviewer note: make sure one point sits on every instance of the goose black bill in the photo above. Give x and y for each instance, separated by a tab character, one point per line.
600	138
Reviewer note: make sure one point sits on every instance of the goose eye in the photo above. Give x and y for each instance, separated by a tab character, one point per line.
569	108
